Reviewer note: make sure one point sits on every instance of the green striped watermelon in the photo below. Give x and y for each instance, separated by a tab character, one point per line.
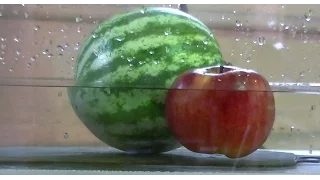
125	68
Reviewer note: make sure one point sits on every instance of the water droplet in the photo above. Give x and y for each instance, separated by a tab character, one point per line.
33	58
26	15
72	67
59	94
129	59
222	17
79	29
182	60
36	27
78	19
151	52
238	23
143	9
45	51
72	58
141	62
1	58
3	62
3	46
292	128
2	39
16	39
167	49
60	48
237	39
313	107
308	15
50	55
278	46
234	11
261	40
18	52
1	14
28	65
94	35
156	62
11	69
205	42
119	39
66	135
248	59
310	151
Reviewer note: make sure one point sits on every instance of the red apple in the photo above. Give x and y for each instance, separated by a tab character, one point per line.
221	110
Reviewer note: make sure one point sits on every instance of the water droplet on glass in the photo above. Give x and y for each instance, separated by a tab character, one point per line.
278	46
313	107
238	23
78	19
3	46
66	135
33	58
141	62
248	59
2	39
26	15
11	69
18	52
182	60
72	58
59	94
1	58
234	11
222	17
151	52
60	48
50	55
292	128
310	151
36	27
16	39
45	51
79	29
308	15
129	59
143	9
156	62
261	40
94	35
28	65
1	14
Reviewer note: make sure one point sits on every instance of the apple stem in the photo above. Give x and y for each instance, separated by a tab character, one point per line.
221	69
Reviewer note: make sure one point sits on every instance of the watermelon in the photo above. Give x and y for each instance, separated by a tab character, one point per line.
125	68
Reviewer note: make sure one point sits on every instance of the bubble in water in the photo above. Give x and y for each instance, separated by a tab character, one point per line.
119	39
3	62
238	23
261	40
16	39
66	135
78	19
168	31
36	27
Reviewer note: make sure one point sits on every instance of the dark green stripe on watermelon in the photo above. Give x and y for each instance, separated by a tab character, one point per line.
136	50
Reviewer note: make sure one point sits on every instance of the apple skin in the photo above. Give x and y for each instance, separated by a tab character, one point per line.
221	110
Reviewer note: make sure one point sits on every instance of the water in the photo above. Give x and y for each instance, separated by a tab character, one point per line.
45	111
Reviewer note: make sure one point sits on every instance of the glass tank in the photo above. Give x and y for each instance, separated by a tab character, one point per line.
151	88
